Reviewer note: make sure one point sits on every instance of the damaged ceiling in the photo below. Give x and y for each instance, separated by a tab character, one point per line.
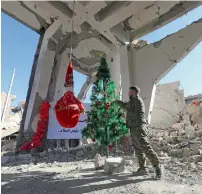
98	25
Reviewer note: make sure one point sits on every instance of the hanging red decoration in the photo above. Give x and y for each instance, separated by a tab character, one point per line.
68	108
41	128
196	102
109	147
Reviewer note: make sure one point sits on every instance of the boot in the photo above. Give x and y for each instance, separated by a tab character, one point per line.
141	172
158	172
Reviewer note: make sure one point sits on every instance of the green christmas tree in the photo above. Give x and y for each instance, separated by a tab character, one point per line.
106	120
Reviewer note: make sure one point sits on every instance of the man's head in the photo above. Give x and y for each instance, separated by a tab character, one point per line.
133	91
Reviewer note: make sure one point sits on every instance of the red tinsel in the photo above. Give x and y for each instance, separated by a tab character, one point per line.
41	128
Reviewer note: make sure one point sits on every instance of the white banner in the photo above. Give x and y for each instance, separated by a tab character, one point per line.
55	131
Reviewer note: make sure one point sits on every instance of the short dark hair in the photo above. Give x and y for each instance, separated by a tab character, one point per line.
135	88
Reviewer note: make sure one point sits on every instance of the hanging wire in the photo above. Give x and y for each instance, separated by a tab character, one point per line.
71	40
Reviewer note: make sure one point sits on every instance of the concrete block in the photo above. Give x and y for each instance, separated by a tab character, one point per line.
5	160
190	131
195	148
24	157
186	152
99	162
176	153
178	126
114	165
173	133
186	119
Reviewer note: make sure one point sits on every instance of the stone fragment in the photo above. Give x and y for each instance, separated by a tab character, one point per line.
186	152
199	165
181	132
195	158
186	119
99	162
195	147
173	133
114	165
177	153
199	133
181	139
190	131
192	166
178	126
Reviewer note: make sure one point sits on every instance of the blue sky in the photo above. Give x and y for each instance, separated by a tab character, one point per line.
19	43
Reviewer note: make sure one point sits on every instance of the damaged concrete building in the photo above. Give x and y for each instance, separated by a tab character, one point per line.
109	28
169	102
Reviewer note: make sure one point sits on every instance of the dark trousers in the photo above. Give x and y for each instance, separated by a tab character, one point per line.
142	147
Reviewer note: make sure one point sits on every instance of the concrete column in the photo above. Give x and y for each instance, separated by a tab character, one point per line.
125	72
150	63
59	87
86	86
113	59
42	77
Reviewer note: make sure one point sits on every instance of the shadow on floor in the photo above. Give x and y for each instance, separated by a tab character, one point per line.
41	183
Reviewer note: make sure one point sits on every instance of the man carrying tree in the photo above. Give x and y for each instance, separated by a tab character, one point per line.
136	122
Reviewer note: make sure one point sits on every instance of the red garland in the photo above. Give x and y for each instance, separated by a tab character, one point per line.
41	126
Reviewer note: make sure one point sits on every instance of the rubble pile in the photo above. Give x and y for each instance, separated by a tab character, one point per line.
182	140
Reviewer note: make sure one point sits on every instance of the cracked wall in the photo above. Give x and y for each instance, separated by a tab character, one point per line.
169	101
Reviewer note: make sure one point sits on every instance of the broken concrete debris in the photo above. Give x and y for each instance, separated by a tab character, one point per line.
114	165
99	162
182	140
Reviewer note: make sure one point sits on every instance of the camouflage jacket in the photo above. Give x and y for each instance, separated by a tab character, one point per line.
135	108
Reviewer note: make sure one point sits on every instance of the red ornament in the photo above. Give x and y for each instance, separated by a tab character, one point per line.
93	140
107	105
196	103
98	103
68	110
109	147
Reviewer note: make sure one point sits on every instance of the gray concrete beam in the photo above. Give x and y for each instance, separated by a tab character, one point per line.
153	61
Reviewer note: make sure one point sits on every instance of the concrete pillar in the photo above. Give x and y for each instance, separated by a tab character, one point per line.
113	59
42	77
86	86
59	87
125	72
150	63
